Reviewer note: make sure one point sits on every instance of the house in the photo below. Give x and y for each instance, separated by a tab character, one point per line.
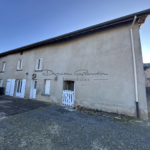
147	77
98	67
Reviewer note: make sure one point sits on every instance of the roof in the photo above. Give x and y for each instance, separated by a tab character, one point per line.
141	16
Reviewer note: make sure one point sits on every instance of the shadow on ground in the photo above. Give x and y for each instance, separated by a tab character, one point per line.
12	105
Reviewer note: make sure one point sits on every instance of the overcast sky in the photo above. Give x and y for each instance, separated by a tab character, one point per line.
30	21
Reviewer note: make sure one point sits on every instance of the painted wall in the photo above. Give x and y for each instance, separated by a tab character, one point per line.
107	51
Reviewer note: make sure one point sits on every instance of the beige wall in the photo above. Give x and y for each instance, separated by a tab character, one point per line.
107	51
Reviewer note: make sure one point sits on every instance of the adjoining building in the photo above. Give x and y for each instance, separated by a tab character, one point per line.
147	77
98	67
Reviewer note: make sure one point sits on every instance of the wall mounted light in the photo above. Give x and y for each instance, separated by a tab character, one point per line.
56	78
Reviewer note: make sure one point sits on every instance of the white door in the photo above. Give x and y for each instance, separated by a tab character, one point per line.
20	91
12	87
47	87
8	87
33	89
19	87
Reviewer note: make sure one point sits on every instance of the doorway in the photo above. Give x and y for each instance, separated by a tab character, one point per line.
68	96
19	87
68	85
33	89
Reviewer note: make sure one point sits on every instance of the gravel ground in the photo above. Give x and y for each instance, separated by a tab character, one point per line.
55	128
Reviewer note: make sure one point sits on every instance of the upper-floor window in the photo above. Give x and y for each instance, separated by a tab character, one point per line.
19	65
4	64
1	83
39	64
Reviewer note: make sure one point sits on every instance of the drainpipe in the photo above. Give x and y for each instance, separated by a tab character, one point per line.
134	66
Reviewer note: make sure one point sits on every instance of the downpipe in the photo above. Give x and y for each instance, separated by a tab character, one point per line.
134	66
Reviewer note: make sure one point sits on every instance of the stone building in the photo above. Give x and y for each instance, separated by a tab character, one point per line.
98	67
147	77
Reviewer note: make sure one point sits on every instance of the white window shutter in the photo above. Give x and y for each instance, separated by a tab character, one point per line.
4	66
23	88
7	86
21	63
47	87
36	66
18	65
1	83
41	63
12	87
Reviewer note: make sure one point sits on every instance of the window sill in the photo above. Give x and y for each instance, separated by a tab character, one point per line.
19	70
38	70
45	94
1	71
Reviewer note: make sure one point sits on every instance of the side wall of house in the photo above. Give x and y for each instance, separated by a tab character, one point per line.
108	51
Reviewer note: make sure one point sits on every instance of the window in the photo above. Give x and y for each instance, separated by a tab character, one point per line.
1	83
19	66
35	84
47	86
4	63
39	64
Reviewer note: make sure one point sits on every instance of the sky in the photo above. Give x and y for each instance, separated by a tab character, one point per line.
29	21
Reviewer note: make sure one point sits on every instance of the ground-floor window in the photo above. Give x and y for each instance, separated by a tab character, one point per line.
19	86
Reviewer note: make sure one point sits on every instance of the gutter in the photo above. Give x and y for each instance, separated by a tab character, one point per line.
134	67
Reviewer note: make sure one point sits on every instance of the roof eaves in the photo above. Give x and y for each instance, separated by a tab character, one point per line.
81	31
